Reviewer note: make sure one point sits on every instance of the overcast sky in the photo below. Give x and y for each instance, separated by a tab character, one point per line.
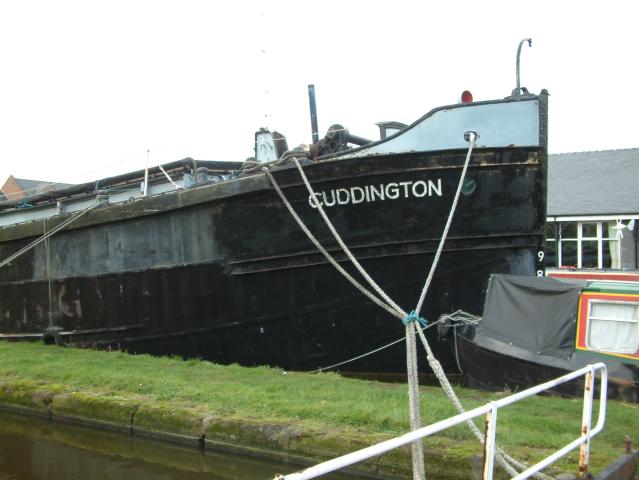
86	87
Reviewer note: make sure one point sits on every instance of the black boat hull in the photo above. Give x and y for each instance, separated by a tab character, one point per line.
222	272
491	369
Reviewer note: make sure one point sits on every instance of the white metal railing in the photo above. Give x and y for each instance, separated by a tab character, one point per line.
490	410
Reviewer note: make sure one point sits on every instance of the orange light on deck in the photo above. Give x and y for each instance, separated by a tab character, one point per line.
466	97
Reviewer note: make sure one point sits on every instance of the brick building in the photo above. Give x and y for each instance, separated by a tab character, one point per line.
19	188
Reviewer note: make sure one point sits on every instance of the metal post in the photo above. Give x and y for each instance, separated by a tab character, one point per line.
584	451
490	410
313	107
517	90
489	442
145	189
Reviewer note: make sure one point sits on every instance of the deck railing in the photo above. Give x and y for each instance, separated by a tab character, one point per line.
490	411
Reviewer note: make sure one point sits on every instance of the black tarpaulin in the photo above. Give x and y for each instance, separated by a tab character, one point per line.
538	314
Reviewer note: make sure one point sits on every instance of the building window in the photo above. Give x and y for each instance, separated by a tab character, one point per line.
613	326
568	255
551	244
583	245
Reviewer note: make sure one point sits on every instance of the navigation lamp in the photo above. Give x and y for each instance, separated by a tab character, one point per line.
466	97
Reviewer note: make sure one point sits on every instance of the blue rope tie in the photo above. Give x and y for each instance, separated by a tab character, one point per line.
414	317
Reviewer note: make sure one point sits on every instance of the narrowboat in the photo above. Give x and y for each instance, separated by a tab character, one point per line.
534	329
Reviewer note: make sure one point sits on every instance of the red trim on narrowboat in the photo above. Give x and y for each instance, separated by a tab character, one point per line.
582	318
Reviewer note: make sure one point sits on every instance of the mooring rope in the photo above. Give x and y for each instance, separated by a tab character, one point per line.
412	372
411	349
453	208
324	252
390	306
383	347
343	246
251	165
411	353
506	461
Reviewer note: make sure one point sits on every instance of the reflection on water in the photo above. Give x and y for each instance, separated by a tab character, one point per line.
36	449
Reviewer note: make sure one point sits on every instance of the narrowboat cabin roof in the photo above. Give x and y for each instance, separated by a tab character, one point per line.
608	286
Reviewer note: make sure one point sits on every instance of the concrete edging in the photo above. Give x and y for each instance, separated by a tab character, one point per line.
621	469
194	426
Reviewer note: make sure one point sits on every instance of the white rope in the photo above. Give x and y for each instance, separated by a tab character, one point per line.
390	306
413	387
417	448
411	350
343	246
324	252
504	460
376	350
432	361
358	357
460	317
411	354
168	177
46	236
473	139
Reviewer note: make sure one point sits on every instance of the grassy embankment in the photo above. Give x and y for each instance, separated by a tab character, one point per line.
308	415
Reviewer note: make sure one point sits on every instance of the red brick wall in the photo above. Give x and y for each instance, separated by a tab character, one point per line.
12	190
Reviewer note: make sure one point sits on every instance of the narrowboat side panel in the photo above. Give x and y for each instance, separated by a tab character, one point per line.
586	331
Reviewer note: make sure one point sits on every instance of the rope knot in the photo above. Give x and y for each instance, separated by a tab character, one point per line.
414	317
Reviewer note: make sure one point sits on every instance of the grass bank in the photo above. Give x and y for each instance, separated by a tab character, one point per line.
266	410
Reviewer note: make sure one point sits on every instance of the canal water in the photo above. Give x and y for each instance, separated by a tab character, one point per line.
37	449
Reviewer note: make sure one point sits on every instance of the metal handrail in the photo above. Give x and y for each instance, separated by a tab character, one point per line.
490	410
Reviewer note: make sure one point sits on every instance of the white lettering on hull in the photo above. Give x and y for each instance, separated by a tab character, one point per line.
374	193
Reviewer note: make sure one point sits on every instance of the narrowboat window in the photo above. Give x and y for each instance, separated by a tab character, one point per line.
613	326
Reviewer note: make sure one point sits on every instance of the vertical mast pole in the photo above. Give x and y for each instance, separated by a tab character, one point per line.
313	107
146	175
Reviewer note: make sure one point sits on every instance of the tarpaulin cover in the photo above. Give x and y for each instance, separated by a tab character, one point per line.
538	314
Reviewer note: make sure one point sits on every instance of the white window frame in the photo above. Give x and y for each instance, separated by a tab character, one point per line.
581	238
602	236
591	301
